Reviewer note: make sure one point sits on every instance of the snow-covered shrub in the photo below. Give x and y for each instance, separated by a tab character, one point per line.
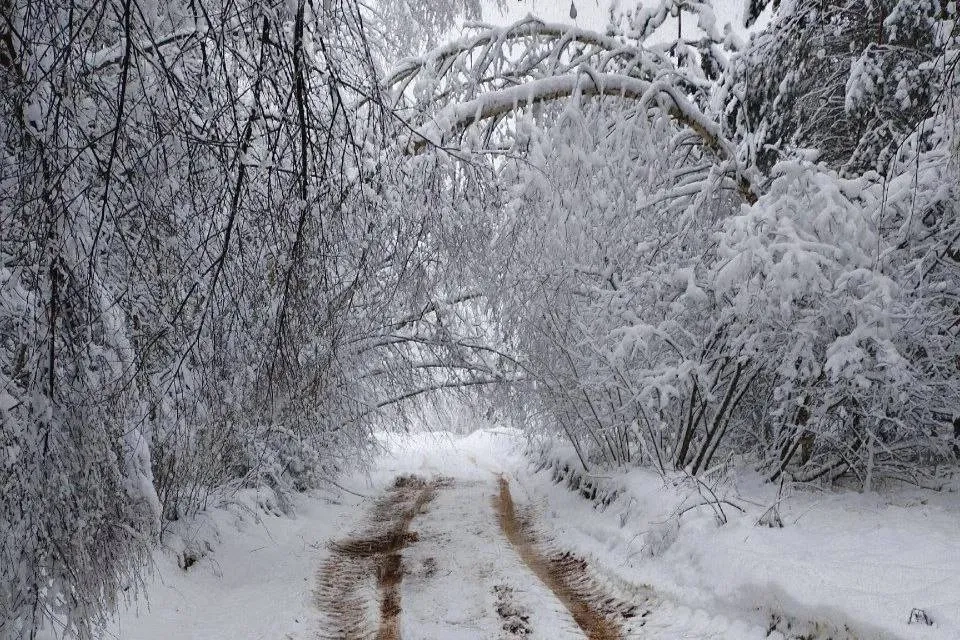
661	537
841	317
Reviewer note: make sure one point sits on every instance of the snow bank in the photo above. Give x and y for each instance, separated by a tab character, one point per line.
250	572
861	561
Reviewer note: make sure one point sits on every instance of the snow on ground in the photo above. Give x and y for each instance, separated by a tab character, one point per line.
458	523
466	581
842	559
256	582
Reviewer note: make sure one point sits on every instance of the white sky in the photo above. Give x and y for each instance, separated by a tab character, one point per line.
592	14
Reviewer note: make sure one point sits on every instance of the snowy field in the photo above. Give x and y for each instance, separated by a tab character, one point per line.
844	565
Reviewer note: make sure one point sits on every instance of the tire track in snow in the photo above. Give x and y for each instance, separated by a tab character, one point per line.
359	584
565	575
463	580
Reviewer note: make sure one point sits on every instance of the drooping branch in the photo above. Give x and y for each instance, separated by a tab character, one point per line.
457	117
439	386
555	38
562	46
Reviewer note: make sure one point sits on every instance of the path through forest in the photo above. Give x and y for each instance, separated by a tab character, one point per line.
458	547
440	558
450	537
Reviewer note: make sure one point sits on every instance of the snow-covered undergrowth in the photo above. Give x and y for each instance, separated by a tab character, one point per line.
843	565
241	569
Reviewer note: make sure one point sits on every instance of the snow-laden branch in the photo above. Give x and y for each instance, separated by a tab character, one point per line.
439	386
457	117
114	54
529	27
558	36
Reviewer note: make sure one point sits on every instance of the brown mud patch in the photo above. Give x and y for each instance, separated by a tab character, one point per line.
370	562
565	574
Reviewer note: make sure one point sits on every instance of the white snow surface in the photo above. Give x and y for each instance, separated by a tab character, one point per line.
256	583
473	563
843	559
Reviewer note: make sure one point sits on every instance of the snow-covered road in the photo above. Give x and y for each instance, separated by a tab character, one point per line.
449	537
446	558
465	581
449	556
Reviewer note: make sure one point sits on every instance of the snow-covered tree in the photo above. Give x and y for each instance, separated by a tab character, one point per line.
850	78
207	279
655	221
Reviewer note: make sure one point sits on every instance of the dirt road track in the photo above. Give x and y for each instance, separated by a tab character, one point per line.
358	590
343	589
564	574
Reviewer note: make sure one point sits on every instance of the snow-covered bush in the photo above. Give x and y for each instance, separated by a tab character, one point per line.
692	255
843	320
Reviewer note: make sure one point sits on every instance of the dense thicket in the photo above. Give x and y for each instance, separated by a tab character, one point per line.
851	79
708	249
207	279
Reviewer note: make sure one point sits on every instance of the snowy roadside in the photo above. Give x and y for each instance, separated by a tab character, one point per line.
856	564
255	582
844	560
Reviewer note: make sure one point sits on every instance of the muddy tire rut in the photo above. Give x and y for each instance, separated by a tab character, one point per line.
367	567
565	574
358	586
